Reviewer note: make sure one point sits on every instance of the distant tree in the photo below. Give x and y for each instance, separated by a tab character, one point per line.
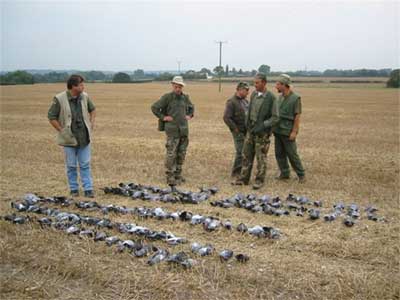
121	77
394	80
240	72
164	76
93	75
219	70
205	70
226	70
17	77
138	73
234	72
264	69
253	72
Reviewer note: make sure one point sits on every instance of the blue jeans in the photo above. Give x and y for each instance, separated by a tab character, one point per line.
74	155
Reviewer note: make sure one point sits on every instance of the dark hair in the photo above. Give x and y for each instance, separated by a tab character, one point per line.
261	76
74	80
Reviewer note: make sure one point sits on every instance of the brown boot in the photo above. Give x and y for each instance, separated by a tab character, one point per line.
302	179
282	177
240	181
171	180
258	184
179	179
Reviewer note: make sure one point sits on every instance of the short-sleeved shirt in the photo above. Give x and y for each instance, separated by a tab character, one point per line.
78	126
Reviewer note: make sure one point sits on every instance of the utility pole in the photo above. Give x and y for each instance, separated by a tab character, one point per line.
179	67
220	62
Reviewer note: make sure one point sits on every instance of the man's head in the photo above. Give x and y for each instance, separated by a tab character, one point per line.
283	83
260	82
75	84
177	84
242	89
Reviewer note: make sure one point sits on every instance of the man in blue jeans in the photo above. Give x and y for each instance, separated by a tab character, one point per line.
72	114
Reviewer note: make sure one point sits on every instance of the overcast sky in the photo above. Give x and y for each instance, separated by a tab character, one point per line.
120	35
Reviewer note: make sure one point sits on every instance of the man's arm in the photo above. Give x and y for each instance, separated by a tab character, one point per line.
56	124
53	114
190	109
296	123
271	122
92	116
228	117
92	112
159	106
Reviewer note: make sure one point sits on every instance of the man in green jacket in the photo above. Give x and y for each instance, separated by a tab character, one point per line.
174	110
72	114
287	130
262	117
235	118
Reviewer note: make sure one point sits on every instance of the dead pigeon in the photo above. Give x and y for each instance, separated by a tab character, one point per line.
241	227
157	257
225	255
242	258
314	214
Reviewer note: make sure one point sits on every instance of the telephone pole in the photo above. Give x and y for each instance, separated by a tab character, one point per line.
220	63
179	67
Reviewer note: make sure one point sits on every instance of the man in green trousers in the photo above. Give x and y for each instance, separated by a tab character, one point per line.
235	118
174	110
287	130
262	117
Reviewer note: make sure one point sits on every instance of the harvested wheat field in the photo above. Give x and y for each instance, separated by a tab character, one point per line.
349	143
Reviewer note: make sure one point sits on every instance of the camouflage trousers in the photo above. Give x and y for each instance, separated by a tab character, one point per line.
176	152
255	147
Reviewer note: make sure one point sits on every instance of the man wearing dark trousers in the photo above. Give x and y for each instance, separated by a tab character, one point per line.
287	130
235	118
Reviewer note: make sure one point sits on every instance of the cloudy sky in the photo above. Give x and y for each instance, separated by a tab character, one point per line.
122	35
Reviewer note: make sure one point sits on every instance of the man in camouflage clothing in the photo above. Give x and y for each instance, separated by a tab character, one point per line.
174	110
235	118
287	129
262	117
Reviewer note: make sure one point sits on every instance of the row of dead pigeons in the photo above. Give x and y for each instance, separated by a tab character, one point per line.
209	223
154	193
299	206
71	223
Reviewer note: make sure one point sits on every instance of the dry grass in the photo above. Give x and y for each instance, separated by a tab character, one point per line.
349	143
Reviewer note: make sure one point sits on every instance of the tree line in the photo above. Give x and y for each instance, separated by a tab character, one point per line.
24	77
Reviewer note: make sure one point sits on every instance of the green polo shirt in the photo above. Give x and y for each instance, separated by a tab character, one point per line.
78	126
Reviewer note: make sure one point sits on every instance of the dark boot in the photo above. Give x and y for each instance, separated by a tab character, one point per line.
89	194
74	193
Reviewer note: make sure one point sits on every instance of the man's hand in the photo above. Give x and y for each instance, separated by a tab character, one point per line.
293	135
56	125
258	129
92	127
188	118
167	119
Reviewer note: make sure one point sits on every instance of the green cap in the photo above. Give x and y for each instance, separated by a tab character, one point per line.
261	76
243	85
284	79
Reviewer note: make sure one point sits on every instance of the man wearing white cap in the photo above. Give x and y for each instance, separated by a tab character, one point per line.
174	110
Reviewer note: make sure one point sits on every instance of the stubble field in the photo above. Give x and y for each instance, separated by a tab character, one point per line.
349	144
